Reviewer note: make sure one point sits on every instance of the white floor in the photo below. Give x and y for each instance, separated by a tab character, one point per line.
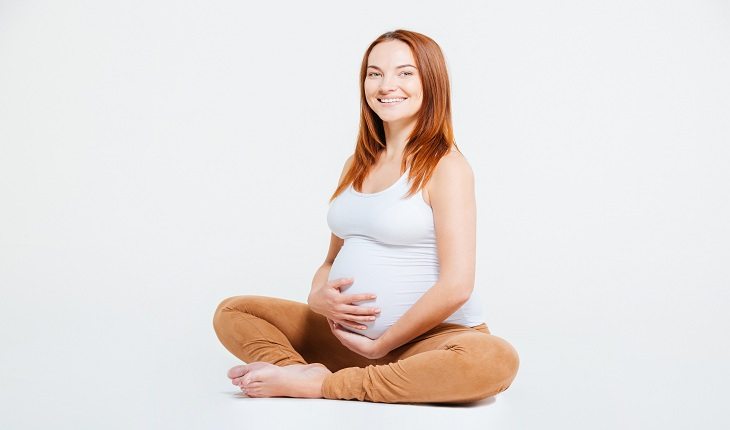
117	369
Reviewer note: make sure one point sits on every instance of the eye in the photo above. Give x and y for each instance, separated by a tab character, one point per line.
372	73
408	73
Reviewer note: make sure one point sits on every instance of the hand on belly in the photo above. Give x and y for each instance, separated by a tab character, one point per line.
397	284
392	305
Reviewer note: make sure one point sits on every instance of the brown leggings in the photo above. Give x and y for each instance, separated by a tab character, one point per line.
450	363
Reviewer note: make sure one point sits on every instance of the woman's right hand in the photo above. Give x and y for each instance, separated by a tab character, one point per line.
329	301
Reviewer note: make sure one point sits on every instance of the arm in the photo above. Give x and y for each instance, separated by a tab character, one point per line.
322	273
454	212
325	298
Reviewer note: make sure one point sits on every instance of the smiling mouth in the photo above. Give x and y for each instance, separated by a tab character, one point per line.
392	101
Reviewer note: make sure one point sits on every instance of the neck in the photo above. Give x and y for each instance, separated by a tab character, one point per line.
396	136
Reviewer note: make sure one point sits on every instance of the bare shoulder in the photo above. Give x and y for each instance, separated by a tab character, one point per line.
452	170
348	162
452	166
345	168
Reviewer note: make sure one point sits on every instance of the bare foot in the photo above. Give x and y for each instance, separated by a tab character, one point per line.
260	379
237	371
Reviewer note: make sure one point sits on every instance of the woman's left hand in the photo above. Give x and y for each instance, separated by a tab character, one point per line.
357	343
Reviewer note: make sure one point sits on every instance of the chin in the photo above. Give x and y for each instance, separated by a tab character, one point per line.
393	118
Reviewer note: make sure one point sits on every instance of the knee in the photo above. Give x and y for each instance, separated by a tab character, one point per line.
224	308
509	361
492	364
225	304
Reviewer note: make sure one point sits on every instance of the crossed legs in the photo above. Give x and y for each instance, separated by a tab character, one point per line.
292	353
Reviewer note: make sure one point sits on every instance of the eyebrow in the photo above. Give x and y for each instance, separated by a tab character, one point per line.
401	66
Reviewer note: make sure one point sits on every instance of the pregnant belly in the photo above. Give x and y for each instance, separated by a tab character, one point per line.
397	275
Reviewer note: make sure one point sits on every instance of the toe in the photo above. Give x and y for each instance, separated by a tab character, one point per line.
237	371
246	380
253	389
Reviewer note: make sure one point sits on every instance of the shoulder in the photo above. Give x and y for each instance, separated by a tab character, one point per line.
349	160
452	170
346	168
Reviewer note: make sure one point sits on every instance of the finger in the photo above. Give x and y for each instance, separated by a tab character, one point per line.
340	282
359	298
359	319
352	324
359	310
333	328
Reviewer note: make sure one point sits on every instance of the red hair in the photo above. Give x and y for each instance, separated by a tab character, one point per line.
433	135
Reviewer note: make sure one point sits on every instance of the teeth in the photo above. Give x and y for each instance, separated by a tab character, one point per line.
391	100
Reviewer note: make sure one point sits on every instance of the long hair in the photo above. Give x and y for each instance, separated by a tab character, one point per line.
433	135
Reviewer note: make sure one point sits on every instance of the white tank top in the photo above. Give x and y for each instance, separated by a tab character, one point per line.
390	251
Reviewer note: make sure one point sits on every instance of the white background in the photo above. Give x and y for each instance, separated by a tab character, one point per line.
157	157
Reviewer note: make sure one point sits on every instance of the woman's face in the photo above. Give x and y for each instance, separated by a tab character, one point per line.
392	83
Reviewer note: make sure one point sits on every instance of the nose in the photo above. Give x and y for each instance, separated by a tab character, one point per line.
387	85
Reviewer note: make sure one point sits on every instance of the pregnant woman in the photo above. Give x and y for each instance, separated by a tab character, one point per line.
392	315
